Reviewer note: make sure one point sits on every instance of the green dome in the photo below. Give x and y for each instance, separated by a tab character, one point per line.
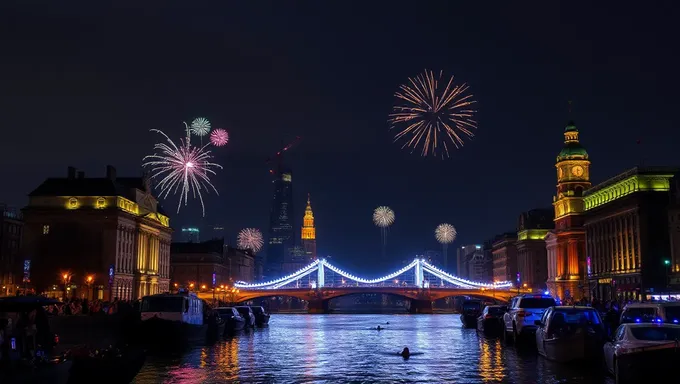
571	127
572	150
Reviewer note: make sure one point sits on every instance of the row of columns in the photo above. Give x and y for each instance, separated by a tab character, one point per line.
614	244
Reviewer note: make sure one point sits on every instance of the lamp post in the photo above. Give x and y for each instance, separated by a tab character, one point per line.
66	278
89	281
667	263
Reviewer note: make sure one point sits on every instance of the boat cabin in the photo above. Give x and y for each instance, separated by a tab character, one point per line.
185	308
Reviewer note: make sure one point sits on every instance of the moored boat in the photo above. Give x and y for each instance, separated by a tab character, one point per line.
177	318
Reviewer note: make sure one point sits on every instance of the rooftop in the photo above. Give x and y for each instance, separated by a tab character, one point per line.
651	171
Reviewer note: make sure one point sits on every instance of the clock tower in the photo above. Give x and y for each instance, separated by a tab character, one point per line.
573	178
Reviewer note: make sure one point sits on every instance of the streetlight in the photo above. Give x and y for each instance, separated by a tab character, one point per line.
66	278
89	281
667	263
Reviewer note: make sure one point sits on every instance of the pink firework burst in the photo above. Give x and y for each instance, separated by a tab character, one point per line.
219	137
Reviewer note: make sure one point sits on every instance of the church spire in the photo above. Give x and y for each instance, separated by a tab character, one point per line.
308	230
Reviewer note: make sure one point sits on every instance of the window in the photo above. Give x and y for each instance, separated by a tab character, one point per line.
656	333
576	316
619	333
46	229
536	303
638	315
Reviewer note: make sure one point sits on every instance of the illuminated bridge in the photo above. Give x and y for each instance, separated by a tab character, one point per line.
419	281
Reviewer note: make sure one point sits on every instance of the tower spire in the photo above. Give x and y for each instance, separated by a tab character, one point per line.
308	232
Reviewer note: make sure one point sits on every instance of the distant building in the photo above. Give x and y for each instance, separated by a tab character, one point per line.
297	259
308	232
532	263
193	265
191	235
464	256
504	253
202	263
11	228
219	232
241	264
479	266
110	228
281	226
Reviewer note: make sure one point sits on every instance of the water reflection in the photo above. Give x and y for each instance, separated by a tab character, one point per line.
345	348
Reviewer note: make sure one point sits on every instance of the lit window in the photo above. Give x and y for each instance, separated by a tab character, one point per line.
73	203
100	203
46	229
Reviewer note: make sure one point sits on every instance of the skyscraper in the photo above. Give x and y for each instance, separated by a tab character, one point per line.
308	233
281	233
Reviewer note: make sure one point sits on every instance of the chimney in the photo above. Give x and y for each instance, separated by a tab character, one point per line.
71	173
111	172
81	175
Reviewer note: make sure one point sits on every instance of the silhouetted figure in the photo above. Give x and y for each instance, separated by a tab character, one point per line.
378	328
405	353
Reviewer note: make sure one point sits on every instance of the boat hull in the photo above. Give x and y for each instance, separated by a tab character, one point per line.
167	333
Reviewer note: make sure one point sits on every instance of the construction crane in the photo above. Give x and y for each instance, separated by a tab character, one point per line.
278	156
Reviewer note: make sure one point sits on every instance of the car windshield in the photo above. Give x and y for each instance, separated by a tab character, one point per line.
534	302
638	315
673	313
225	311
656	333
163	304
580	316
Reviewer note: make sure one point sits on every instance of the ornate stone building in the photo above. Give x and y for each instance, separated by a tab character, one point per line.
629	234
573	179
110	229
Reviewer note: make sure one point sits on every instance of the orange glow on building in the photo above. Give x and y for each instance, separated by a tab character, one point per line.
308	232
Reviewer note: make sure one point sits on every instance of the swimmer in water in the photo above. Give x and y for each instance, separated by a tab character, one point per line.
405	353
378	328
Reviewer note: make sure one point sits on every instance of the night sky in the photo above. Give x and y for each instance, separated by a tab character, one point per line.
81	84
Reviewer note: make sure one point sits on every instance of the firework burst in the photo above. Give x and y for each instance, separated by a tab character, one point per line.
184	168
219	137
200	126
445	233
433	116
250	238
383	216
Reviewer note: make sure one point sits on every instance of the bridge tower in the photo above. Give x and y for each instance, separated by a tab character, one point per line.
321	273
419	273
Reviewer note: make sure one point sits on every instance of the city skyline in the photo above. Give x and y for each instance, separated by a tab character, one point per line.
346	82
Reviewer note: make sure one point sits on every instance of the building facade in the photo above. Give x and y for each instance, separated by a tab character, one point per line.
573	179
110	229
241	264
532	263
281	226
308	232
504	253
463	256
194	265
628	234
12	276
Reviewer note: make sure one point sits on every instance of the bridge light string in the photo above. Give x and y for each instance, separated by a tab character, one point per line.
369	281
432	268
292	277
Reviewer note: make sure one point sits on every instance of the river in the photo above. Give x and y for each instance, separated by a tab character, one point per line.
344	348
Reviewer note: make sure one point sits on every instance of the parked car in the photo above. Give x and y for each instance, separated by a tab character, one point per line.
522	313
247	314
232	318
643	352
261	316
471	311
491	320
569	333
668	312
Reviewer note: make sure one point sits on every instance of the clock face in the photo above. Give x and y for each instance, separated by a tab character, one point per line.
577	171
